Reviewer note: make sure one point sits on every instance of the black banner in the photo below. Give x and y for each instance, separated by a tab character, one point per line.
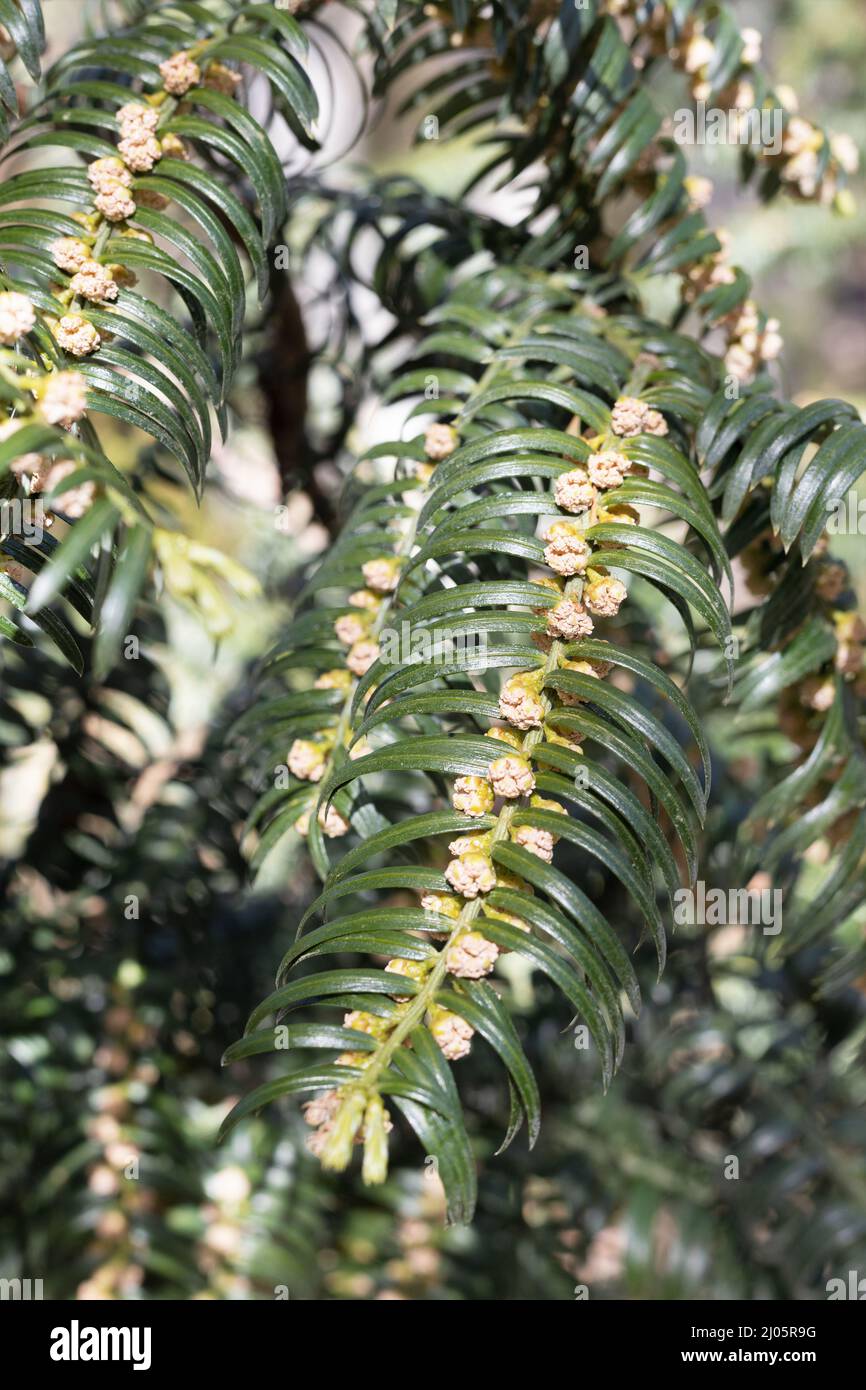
85	1339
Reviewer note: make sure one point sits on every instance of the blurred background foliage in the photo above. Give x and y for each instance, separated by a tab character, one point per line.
131	947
